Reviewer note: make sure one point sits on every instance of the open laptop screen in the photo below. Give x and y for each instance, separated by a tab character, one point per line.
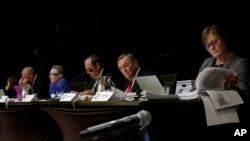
150	83
2	92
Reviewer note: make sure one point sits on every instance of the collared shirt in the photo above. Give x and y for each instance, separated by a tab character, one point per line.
133	80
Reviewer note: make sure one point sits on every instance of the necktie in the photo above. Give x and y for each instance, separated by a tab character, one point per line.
129	87
94	87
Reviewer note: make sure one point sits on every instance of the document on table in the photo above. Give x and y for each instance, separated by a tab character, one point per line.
216	117
118	93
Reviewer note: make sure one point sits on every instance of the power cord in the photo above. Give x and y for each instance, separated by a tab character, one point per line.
76	99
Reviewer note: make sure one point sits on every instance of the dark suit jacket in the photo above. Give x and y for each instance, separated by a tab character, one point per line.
41	87
237	64
11	93
136	88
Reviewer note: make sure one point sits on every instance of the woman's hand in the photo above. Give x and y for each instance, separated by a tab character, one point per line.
231	80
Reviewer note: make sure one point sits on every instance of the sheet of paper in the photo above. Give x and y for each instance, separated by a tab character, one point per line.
224	98
121	95
212	78
151	95
189	95
216	117
118	93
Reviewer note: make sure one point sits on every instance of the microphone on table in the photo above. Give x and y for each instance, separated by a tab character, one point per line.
156	60
142	118
70	83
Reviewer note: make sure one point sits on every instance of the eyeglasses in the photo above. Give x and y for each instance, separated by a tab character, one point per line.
89	70
54	74
212	43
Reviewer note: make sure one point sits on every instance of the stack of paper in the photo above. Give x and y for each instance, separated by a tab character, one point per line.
151	95
189	95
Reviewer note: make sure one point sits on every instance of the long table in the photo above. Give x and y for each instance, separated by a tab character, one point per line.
53	120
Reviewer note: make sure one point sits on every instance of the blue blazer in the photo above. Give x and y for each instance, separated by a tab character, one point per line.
62	86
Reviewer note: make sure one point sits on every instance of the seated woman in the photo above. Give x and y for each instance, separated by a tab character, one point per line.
222	55
9	88
58	83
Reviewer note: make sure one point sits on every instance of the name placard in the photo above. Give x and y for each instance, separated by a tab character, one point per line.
68	97
3	98
29	98
102	96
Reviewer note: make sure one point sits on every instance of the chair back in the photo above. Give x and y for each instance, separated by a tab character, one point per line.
169	81
80	86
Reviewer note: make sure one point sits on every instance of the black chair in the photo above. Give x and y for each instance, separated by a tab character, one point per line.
80	86
169	81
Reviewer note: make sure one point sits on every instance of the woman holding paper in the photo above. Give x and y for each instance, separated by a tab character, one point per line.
222	55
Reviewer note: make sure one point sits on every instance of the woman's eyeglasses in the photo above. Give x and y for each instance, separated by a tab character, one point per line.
212	43
55	74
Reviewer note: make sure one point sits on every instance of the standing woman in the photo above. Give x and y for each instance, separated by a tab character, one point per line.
12	81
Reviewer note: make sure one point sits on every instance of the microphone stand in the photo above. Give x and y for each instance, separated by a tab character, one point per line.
156	60
70	83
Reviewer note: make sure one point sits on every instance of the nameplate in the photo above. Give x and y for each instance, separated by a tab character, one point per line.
3	98
68	97
102	96
29	98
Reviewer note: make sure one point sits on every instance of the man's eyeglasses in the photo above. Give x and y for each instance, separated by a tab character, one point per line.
212	43
89	70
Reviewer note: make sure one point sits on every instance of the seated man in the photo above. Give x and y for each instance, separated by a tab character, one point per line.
94	68
130	68
38	84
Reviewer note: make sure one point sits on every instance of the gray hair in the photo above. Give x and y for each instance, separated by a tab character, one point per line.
59	68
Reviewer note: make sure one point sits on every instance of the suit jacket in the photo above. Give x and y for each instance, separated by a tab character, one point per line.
237	64
136	88
41	87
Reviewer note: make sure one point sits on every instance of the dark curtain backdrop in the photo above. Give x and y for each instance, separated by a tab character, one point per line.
65	33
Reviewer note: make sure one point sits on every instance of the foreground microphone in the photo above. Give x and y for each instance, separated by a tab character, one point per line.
142	118
163	55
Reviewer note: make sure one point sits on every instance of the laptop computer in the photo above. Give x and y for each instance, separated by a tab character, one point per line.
152	88
2	92
150	83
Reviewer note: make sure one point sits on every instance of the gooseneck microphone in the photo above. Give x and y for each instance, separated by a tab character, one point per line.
156	60
70	83
142	118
